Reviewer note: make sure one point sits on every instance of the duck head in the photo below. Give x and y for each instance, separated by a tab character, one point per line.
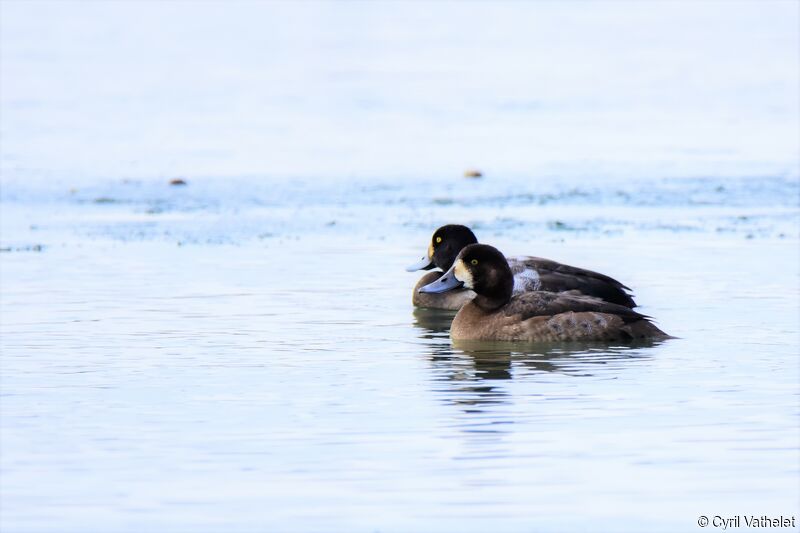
481	268
446	243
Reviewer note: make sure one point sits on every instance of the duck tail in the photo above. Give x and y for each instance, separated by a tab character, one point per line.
644	329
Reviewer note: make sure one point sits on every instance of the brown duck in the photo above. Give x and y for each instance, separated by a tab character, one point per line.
529	274
496	314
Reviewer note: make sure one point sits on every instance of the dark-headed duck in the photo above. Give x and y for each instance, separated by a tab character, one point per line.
529	274
496	314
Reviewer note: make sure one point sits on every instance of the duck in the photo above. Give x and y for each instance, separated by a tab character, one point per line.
529	274
497	314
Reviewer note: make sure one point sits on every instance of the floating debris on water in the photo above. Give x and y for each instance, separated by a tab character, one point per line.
28	248
473	173
178	182
558	225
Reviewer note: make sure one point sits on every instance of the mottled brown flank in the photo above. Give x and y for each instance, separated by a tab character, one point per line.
544	316
451	300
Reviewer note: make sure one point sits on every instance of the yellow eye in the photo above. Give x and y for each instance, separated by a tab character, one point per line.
474	261
438	240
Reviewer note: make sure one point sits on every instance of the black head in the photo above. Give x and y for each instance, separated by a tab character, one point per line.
445	244
485	270
481	268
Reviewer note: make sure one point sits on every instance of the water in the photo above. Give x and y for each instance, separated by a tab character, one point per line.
240	354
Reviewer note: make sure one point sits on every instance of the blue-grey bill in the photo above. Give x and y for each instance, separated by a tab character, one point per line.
446	283
423	264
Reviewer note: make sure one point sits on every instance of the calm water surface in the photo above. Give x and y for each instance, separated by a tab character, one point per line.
208	358
240	354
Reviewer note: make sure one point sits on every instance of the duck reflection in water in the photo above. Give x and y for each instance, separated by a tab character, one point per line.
475	365
474	378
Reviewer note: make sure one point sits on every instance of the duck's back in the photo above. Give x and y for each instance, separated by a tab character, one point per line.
539	274
546	316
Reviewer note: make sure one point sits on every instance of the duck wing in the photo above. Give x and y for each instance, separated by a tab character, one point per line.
547	304
537	273
547	316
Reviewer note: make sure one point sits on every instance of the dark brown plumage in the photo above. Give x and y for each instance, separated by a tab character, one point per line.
558	277
494	314
529	273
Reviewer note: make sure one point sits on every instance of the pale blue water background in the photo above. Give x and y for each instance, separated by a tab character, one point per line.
240	354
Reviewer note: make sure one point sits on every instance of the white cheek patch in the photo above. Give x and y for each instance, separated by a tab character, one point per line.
462	274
